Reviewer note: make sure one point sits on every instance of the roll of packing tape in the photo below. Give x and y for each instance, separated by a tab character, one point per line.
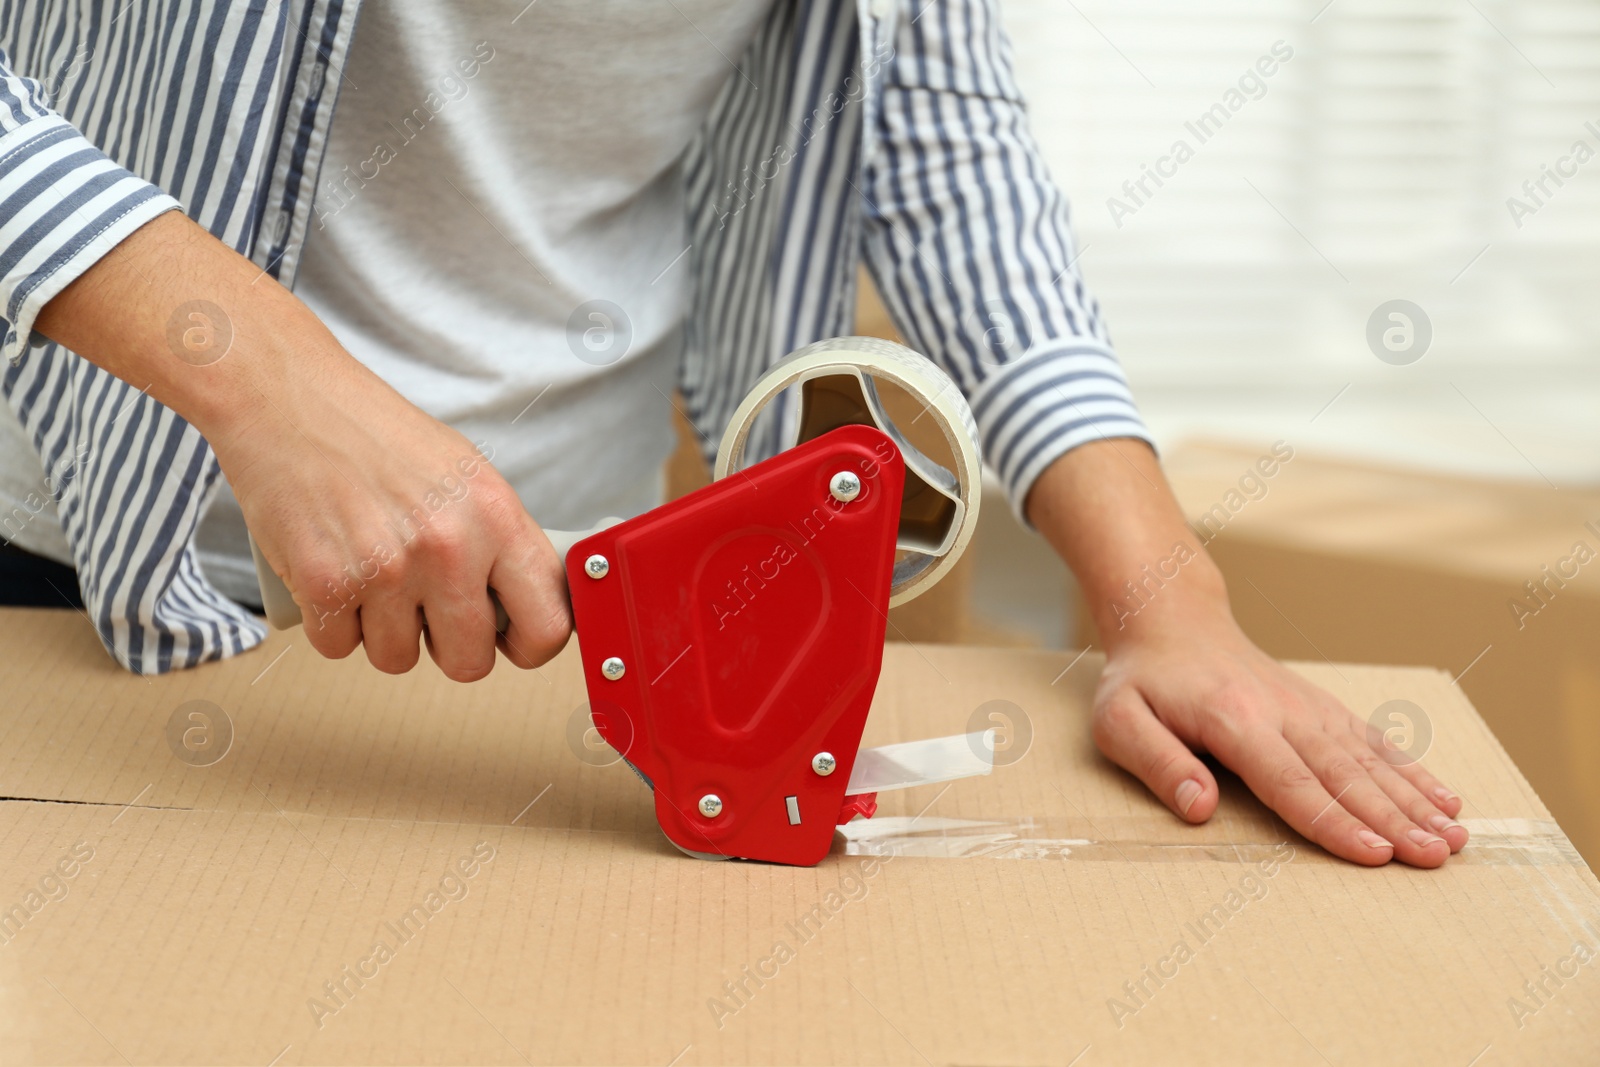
837	379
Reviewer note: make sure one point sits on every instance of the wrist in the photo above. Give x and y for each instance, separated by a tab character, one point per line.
1107	509
1179	592
236	367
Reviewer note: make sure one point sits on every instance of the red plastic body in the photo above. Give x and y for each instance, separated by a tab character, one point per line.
749	617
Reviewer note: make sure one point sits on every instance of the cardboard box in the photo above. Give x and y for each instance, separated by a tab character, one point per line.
1497	583
322	864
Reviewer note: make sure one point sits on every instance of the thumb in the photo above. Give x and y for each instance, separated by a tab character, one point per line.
1131	736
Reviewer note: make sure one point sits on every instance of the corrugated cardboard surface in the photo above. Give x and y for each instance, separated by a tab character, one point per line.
1353	561
529	911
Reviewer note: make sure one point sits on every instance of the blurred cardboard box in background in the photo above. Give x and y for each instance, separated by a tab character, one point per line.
1497	583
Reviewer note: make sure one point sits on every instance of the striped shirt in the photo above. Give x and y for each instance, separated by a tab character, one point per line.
849	131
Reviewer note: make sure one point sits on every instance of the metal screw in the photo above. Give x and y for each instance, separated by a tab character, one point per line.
613	668
845	487
711	805
597	566
823	763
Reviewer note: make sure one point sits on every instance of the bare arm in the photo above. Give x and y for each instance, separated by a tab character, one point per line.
1181	677
336	473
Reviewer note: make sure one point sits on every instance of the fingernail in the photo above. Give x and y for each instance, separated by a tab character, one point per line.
1444	794
1441	823
1188	792
1371	839
1422	837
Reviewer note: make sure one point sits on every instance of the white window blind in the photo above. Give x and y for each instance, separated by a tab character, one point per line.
1374	163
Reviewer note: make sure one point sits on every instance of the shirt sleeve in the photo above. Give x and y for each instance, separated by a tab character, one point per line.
63	205
967	238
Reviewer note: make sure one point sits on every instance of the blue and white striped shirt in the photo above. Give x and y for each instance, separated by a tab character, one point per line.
853	130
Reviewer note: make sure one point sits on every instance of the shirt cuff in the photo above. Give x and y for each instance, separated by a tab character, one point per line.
1055	398
63	205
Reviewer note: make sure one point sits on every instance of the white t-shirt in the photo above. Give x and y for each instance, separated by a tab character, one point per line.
500	234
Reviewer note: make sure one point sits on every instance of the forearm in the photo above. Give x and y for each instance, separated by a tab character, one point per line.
1107	509
173	311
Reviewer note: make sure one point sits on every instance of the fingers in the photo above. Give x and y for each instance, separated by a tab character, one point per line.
1414	791
381	569
1274	771
439	590
391	625
1131	736
332	625
1350	778
1418	808
532	587
1435	791
460	631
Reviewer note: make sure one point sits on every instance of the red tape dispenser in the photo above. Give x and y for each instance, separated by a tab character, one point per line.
732	639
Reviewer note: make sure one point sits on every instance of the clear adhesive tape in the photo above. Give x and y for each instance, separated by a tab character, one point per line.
836	380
